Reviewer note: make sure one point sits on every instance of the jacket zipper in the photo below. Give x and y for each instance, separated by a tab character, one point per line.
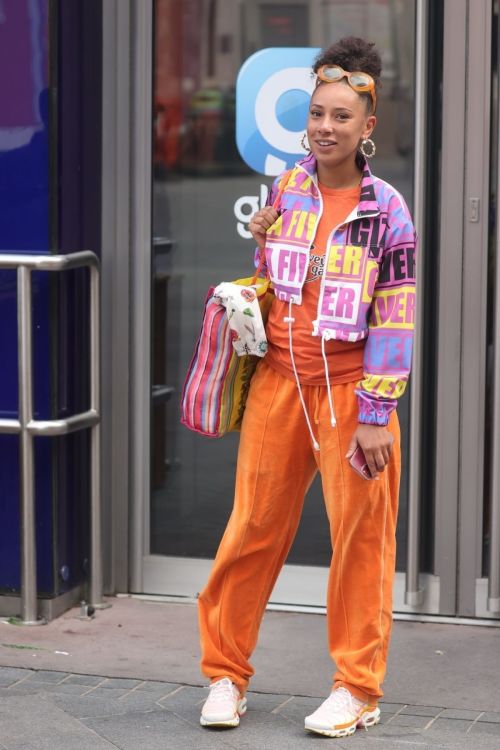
342	223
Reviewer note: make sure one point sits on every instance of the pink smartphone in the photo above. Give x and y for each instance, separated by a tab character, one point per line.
358	463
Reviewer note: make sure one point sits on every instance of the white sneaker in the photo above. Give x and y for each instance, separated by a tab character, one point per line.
224	705
340	714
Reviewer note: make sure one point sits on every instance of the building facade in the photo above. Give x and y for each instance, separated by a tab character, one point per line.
120	134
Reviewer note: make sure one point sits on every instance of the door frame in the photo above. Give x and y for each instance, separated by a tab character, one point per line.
461	323
155	574
459	455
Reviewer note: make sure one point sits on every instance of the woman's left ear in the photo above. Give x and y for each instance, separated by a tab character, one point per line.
370	126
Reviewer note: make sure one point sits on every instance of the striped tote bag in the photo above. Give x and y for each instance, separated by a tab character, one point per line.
217	382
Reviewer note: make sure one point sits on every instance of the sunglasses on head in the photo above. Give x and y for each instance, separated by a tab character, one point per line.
357	80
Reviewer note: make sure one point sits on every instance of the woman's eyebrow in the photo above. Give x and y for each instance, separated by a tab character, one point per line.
333	109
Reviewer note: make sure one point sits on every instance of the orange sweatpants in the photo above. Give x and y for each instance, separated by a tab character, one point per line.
276	465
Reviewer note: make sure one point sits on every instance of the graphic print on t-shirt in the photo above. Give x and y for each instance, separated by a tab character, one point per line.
316	265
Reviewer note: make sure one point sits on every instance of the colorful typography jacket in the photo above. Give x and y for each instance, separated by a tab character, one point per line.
368	283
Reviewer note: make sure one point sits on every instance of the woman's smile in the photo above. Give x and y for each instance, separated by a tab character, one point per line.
325	143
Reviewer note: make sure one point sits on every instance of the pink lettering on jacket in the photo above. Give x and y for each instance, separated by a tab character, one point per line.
340	301
288	263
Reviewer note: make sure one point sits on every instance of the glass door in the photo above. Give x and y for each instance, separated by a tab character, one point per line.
202	195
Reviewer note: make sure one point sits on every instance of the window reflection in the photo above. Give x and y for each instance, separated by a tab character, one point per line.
199	176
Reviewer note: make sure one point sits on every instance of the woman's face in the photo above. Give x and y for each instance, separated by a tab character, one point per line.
338	120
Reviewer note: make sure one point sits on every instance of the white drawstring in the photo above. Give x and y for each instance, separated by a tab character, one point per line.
291	320
326	337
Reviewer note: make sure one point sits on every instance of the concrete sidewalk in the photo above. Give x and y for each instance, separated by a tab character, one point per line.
129	679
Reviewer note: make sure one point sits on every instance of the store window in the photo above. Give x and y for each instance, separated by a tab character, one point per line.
203	191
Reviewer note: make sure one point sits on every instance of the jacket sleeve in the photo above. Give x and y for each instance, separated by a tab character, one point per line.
271	197
388	350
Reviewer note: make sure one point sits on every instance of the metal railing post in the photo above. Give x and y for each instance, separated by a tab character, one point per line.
96	572
27	427
29	614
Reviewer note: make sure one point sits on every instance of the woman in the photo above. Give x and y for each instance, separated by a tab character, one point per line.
340	250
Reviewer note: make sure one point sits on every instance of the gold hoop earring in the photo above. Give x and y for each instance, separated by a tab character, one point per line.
368	148
305	145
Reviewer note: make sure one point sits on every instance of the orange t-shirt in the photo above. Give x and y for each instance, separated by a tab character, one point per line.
345	359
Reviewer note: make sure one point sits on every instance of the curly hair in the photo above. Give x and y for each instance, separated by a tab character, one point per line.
352	53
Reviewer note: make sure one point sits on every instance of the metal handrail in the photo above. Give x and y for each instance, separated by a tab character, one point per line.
27	427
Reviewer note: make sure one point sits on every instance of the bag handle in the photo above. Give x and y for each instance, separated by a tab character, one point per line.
282	185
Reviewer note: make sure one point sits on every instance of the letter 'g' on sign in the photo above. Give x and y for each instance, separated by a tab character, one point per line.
273	89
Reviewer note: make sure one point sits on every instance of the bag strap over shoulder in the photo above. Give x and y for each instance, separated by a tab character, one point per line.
282	185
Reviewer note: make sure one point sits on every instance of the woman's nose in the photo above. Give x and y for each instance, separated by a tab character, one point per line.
325	126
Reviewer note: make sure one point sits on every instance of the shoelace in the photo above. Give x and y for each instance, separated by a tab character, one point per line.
221	689
342	698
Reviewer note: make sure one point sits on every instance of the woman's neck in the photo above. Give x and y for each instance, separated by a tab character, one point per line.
342	176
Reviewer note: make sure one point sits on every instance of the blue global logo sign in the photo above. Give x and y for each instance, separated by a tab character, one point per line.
273	89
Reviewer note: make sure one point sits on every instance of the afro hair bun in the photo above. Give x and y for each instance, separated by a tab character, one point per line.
352	53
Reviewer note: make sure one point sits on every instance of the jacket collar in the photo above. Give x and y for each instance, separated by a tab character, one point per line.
368	203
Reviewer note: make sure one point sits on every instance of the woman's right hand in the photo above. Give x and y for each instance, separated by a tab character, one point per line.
260	223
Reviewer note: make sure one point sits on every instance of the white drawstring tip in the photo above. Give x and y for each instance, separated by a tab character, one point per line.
316	445
333	422
289	320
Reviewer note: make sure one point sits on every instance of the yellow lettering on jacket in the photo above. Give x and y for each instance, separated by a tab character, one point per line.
293	223
387	387
277	227
300	222
394	308
306	185
345	260
311	226
371	273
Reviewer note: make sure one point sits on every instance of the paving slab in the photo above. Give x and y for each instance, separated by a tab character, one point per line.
485	727
490	716
159	730
87	706
46	676
410	720
85	679
43	727
11	676
429	711
262	731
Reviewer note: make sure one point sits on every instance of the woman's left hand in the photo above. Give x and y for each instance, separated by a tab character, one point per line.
376	443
